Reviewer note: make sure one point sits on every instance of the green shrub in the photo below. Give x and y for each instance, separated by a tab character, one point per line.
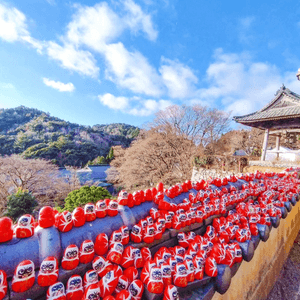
20	203
85	195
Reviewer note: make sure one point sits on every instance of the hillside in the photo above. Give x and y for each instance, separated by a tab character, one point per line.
36	134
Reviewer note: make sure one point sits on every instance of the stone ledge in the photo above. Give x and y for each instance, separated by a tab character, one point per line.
255	279
260	163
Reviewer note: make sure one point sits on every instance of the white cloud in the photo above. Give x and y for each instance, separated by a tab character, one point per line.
94	26
71	58
113	102
135	105
138	20
131	70
98	25
149	107
13	27
12	23
242	85
62	87
179	78
38	45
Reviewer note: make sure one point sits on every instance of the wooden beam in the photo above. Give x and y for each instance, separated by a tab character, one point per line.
265	145
284	131
277	146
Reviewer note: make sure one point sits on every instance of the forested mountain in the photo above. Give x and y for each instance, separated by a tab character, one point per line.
36	134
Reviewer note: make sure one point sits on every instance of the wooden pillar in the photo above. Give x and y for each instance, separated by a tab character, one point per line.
277	145
265	145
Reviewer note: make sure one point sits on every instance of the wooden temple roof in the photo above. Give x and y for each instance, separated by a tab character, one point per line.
284	108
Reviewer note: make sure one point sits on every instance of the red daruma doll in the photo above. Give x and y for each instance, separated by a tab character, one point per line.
3	284
101	244
6	229
74	288
180	275
115	253
171	293
136	234
90	277
101	209
87	252
63	221
136	289
92	292
90	212
112	207
25	228
56	292
122	197
155	284
48	273
108	283
24	276
70	259
78	217
125	235
46	217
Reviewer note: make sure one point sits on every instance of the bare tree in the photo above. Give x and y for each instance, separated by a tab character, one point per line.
197	123
155	156
38	176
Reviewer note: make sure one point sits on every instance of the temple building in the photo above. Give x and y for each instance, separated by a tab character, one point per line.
280	118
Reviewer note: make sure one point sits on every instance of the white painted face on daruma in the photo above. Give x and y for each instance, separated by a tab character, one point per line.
56	289
93	293
74	283
113	205
100	205
48	266
98	264
123	194
87	247
136	230
89	209
24	221
180	269
166	270
71	253
125	231
155	274
134	289
90	277
116	236
118	247
25	270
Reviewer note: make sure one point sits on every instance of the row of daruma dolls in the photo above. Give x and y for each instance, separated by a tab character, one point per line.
111	256
65	221
248	216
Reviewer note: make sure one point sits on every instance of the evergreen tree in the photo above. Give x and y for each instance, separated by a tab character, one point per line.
20	203
85	195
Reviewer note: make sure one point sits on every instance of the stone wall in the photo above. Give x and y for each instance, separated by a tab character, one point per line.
255	279
202	173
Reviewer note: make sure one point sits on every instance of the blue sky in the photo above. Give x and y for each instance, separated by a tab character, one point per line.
98	62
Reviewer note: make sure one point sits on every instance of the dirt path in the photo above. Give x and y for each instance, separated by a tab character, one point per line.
287	286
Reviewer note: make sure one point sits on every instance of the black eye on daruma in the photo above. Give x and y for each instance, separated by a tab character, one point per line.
21	272
133	291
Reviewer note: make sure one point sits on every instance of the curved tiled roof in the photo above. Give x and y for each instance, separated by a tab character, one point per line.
286	104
